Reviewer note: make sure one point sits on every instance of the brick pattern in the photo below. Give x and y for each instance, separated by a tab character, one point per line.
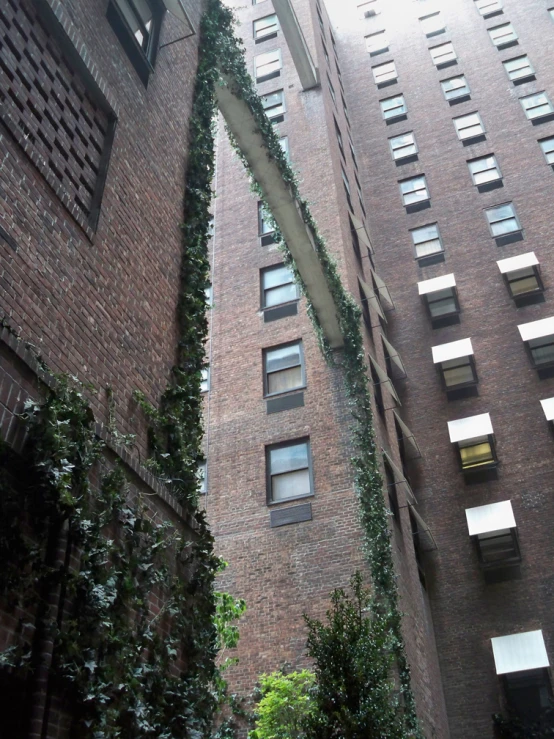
46	106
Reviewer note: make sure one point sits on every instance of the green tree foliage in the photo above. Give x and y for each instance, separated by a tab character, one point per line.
513	727
355	697
285	707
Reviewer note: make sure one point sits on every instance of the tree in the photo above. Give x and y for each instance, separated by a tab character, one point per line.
286	704
355	696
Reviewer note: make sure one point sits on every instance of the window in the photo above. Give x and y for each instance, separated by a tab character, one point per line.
265	228
519	69
278	286
493	528
440	296
427	241
345	109
339	137
204	379
539	340
391	490
274	106
393	107
455	87
377	391
268	65
369	8
346	184
474	438
331	90
403	146
202	477
137	24
320	20
503	35
257	2
284	144
456	364
547	146
521	275
266	28
325	52
352	152
469	126
431	24
377	43
551	13
502	219
488	7
536	106
284	369
443	55
385	73
484	170
289	471
414	190
548	410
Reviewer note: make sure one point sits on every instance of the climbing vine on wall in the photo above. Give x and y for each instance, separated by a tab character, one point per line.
222	50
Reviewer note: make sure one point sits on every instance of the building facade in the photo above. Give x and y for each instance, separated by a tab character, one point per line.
426	152
95	104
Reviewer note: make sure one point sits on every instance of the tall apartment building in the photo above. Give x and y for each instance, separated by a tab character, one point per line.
95	100
426	148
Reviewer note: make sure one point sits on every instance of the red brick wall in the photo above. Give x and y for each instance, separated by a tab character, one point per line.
466	611
284	572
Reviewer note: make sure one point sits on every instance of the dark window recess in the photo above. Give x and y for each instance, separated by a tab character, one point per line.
66	128
282	311
393	495
136	23
265	230
294	514
377	391
402	449
355	241
418	549
285	402
529	694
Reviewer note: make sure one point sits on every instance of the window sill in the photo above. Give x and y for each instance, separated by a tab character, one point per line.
387	83
280	311
298	389
523	80
542	119
416	207
266	77
510	238
507	45
396	119
445	65
412	158
277	118
379	51
273	503
460	99
265	38
432	34
474	140
431	259
492	185
443	321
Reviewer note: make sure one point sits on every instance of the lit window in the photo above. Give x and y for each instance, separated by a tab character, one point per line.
274	106
440	297
469	126
268	65
455	87
519	69
493	528
284	369
547	146
503	35
331	90
384	73
484	170
503	219
137	26
369	8
443	54
289	471
521	275
432	24
377	43
456	364
474	439
346	184
536	106
278	286
204	379
393	107
202	477
488	7
538	337
427	241
414	190
403	146
522	662
284	144
266	27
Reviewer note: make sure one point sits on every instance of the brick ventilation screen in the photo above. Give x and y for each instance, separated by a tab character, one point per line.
45	105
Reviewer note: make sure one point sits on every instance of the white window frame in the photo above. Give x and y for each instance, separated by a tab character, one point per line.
466	131
517	73
432	24
443	54
278	108
484	170
503	35
383	73
377	43
487	8
529	109
269	29
400	109
456	91
397	152
270	66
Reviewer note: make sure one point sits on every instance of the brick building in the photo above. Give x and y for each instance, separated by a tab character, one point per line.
95	99
425	145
